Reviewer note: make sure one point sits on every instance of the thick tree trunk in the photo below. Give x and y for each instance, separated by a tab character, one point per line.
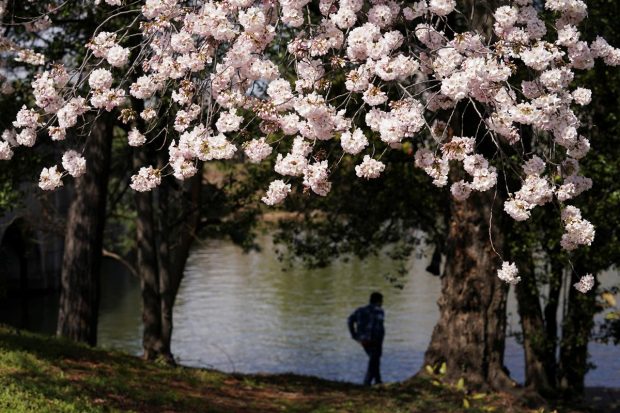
79	296
470	334
535	344
576	328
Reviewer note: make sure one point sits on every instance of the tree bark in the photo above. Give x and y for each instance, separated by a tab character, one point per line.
470	334
173	256
80	279
535	341
166	302
148	270
576	328
167	224
551	322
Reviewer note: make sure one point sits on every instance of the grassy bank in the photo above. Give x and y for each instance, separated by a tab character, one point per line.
44	374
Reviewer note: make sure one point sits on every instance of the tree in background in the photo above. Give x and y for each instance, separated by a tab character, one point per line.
166	224
550	270
84	227
81	267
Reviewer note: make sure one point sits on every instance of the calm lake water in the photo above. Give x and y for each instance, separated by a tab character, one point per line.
241	312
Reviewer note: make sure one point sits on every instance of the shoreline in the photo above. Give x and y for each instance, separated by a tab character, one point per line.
47	374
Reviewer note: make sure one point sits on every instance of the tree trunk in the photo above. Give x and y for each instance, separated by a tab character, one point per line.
162	255
576	328
166	302
470	334
80	279
535	344
551	322
148	270
174	256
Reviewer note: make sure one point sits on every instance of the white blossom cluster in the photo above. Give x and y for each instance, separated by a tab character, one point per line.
369	168
50	178
401	66
508	273
277	192
257	149
585	283
135	138
578	230
146	179
74	163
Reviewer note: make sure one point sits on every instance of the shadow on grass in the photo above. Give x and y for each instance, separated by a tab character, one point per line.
47	374
42	370
39	370
44	347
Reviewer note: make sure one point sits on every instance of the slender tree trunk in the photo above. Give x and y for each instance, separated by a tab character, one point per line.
162	255
470	334
148	270
167	304
80	279
191	204
551	322
535	344
175	257
576	328
165	229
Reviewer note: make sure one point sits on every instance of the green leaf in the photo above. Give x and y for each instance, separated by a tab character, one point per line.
466	403
429	369
478	396
443	368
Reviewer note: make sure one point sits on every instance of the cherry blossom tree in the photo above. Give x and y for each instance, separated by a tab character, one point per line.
402	64
412	72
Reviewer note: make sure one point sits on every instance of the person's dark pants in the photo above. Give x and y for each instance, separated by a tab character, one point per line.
373	349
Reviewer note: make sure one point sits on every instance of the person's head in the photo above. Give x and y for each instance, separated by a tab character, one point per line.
376	299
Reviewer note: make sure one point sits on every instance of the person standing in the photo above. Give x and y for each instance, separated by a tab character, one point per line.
366	327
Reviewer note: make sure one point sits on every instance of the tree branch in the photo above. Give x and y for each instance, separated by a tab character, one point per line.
120	259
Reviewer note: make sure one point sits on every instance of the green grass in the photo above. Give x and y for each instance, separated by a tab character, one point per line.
45	374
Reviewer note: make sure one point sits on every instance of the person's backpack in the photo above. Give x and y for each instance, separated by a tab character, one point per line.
364	323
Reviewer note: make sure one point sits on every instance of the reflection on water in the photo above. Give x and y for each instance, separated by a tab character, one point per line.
242	312
120	317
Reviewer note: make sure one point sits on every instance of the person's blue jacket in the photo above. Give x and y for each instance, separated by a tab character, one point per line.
366	323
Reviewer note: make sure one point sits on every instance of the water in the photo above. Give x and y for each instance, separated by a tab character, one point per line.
250	316
241	312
